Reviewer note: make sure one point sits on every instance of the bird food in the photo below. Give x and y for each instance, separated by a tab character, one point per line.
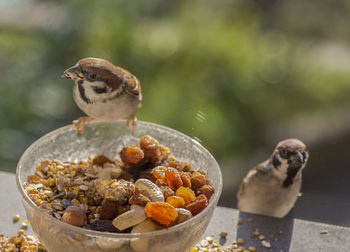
145	184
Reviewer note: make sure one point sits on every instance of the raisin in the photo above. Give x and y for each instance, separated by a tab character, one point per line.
132	154
207	190
198	205
109	209
186	179
173	178
104	226
148	143
161	182
198	180
186	193
167	192
101	160
176	201
138	198
159	172
153	156
161	212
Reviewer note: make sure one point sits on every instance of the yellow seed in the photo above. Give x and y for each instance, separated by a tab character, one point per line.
16	218
261	237
84	201
195	249
37	202
51	182
252	249
240	241
20	232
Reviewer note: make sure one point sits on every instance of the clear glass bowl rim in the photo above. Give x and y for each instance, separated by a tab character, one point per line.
82	231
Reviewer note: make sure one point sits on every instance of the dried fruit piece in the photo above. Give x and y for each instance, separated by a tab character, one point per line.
109	209
176	201
149	189
198	180
130	218
100	160
198	204
158	172
167	192
207	190
132	154
161	212
186	193
153	156
161	182
104	226
186	179
148	143
173	178
183	215
75	216
138	198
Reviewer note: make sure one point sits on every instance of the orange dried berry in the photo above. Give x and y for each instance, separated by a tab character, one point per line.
160	182
173	178
161	212
198	205
207	190
186	179
158	172
153	156
176	201
148	143
198	180
186	193
167	192
101	160
132	154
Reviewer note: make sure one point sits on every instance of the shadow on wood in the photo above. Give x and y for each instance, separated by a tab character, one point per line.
255	229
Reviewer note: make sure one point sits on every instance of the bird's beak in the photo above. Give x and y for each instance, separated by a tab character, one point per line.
297	158
73	73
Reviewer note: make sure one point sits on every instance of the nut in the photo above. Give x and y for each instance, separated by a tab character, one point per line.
183	215
75	216
150	190
110	171
130	218
145	226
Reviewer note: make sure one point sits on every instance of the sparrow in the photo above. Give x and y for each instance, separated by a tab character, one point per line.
272	187
103	91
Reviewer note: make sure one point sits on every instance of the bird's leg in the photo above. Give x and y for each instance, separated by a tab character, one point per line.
79	124
131	122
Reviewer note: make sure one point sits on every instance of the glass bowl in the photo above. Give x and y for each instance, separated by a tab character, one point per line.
109	138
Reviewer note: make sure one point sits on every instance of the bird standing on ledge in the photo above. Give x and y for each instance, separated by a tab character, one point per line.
272	187
104	91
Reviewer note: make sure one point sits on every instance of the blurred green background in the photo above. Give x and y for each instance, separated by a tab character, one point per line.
238	76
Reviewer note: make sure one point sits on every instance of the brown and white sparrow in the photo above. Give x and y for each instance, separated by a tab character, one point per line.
104	91
272	187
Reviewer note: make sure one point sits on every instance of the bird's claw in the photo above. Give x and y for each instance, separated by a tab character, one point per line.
79	124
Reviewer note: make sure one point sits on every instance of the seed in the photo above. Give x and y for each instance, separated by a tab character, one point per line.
16	218
223	234
66	203
261	237
20	232
240	241
266	244
252	249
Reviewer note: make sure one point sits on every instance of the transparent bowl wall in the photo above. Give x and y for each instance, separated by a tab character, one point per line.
109	138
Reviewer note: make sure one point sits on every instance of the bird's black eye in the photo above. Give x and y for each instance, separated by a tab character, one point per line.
283	154
92	76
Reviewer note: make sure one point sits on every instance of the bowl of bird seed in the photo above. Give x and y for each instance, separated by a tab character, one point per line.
108	190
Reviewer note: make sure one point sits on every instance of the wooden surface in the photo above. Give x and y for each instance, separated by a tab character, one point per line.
286	234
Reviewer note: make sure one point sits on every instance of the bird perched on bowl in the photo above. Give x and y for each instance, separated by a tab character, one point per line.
272	187
103	91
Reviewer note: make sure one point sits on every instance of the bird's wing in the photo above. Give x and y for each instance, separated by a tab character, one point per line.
133	86
262	169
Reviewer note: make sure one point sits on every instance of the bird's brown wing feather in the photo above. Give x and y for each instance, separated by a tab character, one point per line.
261	169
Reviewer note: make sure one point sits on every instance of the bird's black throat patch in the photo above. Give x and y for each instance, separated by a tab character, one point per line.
82	92
291	173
